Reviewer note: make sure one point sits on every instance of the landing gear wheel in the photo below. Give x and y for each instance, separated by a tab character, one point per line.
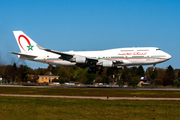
154	67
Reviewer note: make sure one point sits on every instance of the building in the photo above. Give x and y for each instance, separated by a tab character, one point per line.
46	79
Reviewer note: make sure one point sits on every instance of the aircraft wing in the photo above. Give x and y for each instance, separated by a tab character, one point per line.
69	57
24	55
90	61
64	56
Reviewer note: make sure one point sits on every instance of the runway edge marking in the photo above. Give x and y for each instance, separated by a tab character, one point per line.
91	97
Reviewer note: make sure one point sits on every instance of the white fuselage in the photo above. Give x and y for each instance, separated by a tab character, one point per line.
129	56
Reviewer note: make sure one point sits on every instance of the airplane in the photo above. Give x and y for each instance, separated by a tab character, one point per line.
93	60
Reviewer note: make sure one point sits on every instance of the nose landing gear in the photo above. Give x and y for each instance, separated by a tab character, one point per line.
154	67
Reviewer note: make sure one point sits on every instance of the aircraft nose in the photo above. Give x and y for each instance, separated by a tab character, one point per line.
168	56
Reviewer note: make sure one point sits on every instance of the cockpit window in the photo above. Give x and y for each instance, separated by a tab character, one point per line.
158	49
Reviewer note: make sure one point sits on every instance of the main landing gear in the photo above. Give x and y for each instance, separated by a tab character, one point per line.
92	70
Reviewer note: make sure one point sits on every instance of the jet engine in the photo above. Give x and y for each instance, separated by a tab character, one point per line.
108	64
81	60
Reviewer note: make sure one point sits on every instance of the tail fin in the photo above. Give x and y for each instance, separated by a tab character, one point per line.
25	43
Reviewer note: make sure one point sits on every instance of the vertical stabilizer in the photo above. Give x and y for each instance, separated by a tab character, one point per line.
25	43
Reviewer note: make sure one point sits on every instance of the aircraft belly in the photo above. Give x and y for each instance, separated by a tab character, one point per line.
145	61
63	63
139	62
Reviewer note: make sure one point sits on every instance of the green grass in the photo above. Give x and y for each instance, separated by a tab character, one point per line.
19	108
91	92
26	108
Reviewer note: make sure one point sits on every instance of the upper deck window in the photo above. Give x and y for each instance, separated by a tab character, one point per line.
126	50
142	50
158	49
158	56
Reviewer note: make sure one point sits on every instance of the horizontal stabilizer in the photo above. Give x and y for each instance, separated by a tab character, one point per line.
24	55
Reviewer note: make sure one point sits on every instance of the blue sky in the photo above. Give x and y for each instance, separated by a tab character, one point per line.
66	25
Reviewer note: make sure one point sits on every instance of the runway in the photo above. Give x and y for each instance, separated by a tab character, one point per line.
91	97
88	87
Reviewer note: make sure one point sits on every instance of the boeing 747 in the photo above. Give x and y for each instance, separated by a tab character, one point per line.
94	60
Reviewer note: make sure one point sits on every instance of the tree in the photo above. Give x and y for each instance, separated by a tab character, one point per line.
134	81
170	72
125	77
110	71
78	74
90	77
178	75
167	80
61	80
99	80
40	71
161	72
134	71
158	81
176	83
140	71
83	80
50	67
152	73
106	79
14	72
23	71
62	73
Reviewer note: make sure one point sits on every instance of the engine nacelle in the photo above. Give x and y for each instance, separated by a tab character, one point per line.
108	64
81	60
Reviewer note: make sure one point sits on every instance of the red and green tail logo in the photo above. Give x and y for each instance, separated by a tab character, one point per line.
30	47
